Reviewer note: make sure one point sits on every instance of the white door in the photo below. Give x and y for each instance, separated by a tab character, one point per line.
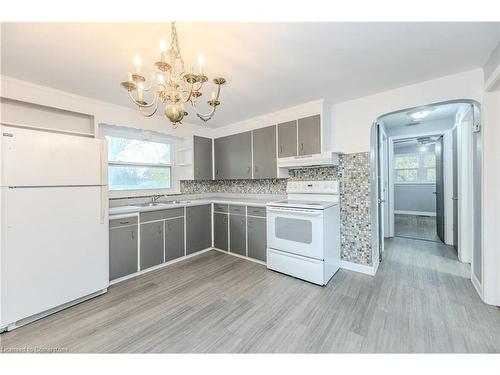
54	248
41	158
297	231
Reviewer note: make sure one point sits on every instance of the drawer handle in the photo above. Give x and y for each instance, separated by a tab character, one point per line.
124	222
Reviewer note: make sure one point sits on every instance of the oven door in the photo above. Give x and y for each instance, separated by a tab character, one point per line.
295	230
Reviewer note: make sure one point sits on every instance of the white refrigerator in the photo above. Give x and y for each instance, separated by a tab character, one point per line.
54	222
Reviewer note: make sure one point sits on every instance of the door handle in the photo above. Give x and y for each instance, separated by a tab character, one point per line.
454	199
434	192
381	201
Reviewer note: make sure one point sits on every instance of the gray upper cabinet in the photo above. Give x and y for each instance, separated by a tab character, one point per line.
151	244
257	241
198	228
233	156
202	158
220	231
174	238
238	233
287	139
309	133
122	251
264	152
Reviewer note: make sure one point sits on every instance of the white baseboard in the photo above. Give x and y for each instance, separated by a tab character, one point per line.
418	213
361	268
477	285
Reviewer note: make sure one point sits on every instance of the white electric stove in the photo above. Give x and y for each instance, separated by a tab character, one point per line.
303	231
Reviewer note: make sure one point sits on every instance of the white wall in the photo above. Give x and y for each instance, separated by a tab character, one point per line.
491	198
353	119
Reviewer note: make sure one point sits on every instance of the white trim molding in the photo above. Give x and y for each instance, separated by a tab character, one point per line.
361	268
418	213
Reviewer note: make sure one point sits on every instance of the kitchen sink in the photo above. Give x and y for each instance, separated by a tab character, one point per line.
151	204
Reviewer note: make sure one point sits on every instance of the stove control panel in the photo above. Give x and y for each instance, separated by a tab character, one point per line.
312	187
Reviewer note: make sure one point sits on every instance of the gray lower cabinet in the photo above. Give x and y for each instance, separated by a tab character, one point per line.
221	231
237	234
122	251
174	239
287	139
264	152
198	228
202	158
257	242
309	133
233	156
151	244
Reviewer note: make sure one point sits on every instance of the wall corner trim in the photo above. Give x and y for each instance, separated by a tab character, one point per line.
361	268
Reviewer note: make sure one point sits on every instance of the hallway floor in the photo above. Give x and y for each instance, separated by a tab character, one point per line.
415	226
421	300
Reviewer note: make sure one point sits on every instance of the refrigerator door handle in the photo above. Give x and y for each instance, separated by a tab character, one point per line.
104	178
104	203
103	150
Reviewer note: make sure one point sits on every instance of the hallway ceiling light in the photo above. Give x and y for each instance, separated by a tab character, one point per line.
418	115
172	84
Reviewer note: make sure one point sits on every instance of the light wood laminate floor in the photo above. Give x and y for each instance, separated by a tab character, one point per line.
421	300
415	226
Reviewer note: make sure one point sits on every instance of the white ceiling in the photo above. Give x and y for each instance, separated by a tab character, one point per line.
269	66
439	112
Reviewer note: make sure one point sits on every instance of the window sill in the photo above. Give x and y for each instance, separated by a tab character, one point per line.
113	194
415	183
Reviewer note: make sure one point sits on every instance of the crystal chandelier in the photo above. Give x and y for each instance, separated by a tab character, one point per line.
171	84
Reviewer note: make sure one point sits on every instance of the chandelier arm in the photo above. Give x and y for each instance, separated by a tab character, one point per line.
189	96
203	116
151	84
148	114
141	105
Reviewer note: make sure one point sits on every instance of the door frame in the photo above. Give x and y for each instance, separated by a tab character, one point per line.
374	178
447	178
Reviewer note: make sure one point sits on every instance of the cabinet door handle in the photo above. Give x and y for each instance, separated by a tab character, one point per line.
159	228
133	235
281	149
217	171
302	146
249	169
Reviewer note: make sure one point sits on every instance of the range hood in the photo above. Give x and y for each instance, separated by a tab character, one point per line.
324	159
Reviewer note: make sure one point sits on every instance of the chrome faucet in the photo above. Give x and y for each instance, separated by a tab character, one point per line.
155	197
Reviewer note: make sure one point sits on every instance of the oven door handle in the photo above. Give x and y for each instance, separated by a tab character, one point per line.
292	211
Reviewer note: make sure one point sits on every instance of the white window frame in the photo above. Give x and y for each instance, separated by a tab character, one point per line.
421	170
143	135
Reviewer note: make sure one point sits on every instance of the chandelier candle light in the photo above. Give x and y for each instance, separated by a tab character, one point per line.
171	84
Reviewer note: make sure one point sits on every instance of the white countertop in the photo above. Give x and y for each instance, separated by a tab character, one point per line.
121	210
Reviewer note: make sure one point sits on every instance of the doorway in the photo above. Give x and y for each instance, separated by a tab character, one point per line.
427	178
417	186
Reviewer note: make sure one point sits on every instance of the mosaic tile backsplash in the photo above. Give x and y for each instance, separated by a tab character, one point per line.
353	173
